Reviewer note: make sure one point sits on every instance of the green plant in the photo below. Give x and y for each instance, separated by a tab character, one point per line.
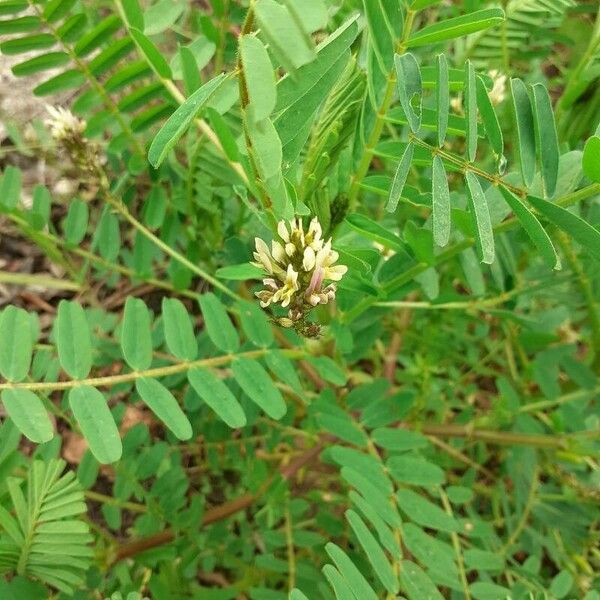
319	317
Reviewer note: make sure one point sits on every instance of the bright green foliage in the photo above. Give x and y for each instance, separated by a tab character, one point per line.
421	420
45	538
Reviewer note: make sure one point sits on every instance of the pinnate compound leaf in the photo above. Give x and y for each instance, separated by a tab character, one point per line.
179	333
73	339
448	29
28	414
218	325
16	344
180	120
484	233
218	396
96	422
256	383
533	227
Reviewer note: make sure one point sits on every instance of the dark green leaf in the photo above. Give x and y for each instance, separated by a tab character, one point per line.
63	81
525	130
43	62
489	118
546	137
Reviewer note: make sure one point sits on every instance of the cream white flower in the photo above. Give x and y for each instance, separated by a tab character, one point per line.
63	123
298	265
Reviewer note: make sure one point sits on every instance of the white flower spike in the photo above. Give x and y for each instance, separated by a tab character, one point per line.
297	267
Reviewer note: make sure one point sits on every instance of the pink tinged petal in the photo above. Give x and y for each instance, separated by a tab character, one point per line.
315	281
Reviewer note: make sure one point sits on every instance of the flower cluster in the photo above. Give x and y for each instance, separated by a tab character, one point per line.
63	124
298	265
68	132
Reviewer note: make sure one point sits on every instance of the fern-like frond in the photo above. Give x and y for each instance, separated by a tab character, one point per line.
528	32
41	535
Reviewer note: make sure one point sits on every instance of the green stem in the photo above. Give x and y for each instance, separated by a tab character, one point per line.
456	545
111	380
